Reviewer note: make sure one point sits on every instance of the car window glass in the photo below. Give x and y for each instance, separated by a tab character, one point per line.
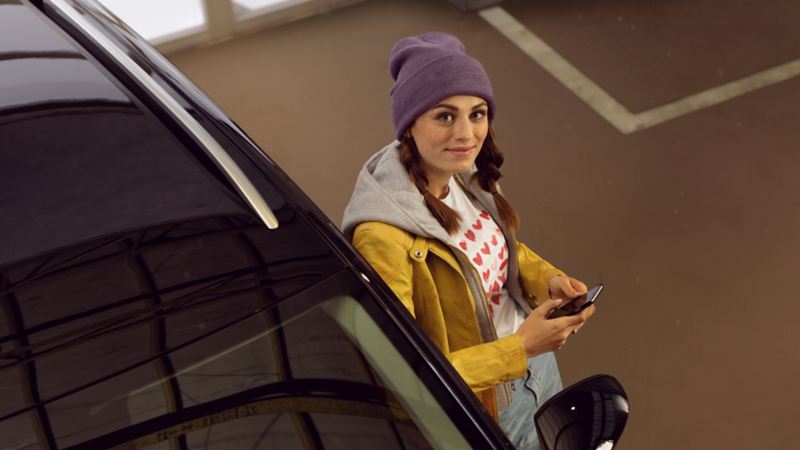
18	432
84	323
283	377
82	157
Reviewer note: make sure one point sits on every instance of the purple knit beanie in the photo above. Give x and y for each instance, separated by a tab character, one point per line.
431	67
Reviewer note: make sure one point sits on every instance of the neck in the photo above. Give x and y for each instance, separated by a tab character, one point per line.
438	180
439	187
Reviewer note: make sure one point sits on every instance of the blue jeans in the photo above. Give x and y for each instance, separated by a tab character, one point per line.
540	383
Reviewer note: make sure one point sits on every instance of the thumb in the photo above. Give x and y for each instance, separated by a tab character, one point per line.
572	290
579	287
549	305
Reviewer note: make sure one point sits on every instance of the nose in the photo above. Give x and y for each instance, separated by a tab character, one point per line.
463	130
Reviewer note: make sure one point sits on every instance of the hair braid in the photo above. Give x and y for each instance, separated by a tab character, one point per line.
446	216
488	163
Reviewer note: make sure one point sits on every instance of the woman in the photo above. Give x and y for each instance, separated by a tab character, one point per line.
427	214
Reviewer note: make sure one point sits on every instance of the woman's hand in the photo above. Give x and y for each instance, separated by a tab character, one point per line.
565	288
541	335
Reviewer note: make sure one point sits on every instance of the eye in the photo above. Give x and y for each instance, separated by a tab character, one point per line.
445	117
478	114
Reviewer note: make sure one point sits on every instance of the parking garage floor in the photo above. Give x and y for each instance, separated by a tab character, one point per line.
650	145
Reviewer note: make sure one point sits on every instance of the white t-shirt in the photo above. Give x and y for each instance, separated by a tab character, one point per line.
483	243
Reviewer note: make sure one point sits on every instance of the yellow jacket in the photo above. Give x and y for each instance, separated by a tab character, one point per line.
426	276
389	224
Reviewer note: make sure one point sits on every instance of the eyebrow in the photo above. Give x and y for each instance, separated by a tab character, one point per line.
453	108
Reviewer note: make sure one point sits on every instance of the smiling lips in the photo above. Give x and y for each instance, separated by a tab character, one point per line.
460	151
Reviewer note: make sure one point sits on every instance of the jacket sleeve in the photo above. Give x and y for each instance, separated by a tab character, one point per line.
486	365
534	274
481	366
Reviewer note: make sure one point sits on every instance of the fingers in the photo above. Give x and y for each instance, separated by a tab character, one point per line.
569	321
565	334
565	287
559	286
564	338
568	288
549	305
579	287
577	320
586	314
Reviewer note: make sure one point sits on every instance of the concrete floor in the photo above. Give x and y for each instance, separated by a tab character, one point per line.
692	224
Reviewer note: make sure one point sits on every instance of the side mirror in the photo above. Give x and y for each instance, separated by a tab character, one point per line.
589	415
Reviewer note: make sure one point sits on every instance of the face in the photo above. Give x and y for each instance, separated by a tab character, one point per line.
450	135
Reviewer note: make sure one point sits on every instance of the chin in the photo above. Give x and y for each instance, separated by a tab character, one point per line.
463	168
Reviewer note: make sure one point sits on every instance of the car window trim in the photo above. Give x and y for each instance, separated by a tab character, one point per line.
221	158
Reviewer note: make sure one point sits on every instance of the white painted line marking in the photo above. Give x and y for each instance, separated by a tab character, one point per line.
719	94
560	68
605	105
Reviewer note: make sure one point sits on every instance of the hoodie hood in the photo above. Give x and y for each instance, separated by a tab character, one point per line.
385	193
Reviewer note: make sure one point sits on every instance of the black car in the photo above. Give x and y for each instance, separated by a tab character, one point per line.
164	285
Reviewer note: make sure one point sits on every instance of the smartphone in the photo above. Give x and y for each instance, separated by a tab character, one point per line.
577	304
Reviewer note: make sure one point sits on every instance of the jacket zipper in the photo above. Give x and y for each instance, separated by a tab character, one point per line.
481	300
471	277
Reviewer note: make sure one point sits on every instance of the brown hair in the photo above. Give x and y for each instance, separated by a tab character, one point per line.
488	164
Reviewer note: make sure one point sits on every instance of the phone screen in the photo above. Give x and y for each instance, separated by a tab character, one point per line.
577	304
